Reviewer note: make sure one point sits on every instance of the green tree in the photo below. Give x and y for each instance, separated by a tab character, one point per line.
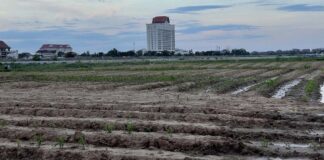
36	57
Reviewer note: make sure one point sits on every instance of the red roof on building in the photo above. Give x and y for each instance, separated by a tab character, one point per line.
161	19
3	45
53	46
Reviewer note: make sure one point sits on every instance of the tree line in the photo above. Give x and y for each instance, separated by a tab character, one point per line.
234	52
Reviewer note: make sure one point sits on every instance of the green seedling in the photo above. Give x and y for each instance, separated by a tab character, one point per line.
2	123
270	82
39	140
288	147
60	142
18	143
82	142
169	131
315	146
310	87
109	128
130	127
265	143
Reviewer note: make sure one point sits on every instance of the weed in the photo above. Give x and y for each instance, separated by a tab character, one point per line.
18	143
39	140
130	127
271	82
315	146
2	123
60	142
304	98
169	131
265	143
287	145
307	66
82	142
109	128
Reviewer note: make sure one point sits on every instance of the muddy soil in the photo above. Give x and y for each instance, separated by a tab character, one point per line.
125	122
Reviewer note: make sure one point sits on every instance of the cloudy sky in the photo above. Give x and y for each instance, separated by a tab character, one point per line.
99	25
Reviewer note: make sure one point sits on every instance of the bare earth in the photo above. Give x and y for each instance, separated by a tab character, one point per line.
181	110
165	124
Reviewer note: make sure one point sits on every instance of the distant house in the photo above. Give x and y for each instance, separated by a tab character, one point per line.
4	49
49	51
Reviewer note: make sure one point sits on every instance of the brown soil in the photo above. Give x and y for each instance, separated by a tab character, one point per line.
153	123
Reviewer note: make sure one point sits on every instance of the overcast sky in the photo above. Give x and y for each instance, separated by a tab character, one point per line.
99	25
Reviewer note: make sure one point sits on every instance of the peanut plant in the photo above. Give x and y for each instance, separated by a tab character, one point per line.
39	140
130	127
109	128
60	142
82	142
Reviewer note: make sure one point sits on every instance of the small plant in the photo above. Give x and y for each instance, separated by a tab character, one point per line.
60	142
287	145
270	82
130	127
18	143
265	143
169	131
2	123
305	98
109	128
82	142
310	87
307	66
315	146
39	140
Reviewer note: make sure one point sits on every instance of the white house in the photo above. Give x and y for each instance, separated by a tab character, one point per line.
49	51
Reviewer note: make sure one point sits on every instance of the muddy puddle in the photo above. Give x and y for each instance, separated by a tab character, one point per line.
281	93
322	94
320	115
291	145
244	89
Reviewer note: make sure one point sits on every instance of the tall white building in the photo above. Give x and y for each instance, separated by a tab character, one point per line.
160	35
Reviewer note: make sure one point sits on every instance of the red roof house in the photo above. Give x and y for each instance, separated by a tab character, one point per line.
4	49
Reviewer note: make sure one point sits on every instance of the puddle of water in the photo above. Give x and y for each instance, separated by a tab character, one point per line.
241	90
292	145
320	115
322	94
247	88
286	88
317	133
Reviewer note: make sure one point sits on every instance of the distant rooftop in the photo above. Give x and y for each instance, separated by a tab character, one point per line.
3	45
55	46
161	19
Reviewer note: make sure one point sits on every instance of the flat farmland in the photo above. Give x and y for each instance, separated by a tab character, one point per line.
213	110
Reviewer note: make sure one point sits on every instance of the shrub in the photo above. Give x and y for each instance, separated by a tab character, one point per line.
36	57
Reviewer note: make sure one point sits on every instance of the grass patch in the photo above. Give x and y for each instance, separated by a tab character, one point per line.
268	86
310	87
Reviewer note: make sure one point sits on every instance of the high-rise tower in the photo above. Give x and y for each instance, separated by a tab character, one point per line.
160	34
